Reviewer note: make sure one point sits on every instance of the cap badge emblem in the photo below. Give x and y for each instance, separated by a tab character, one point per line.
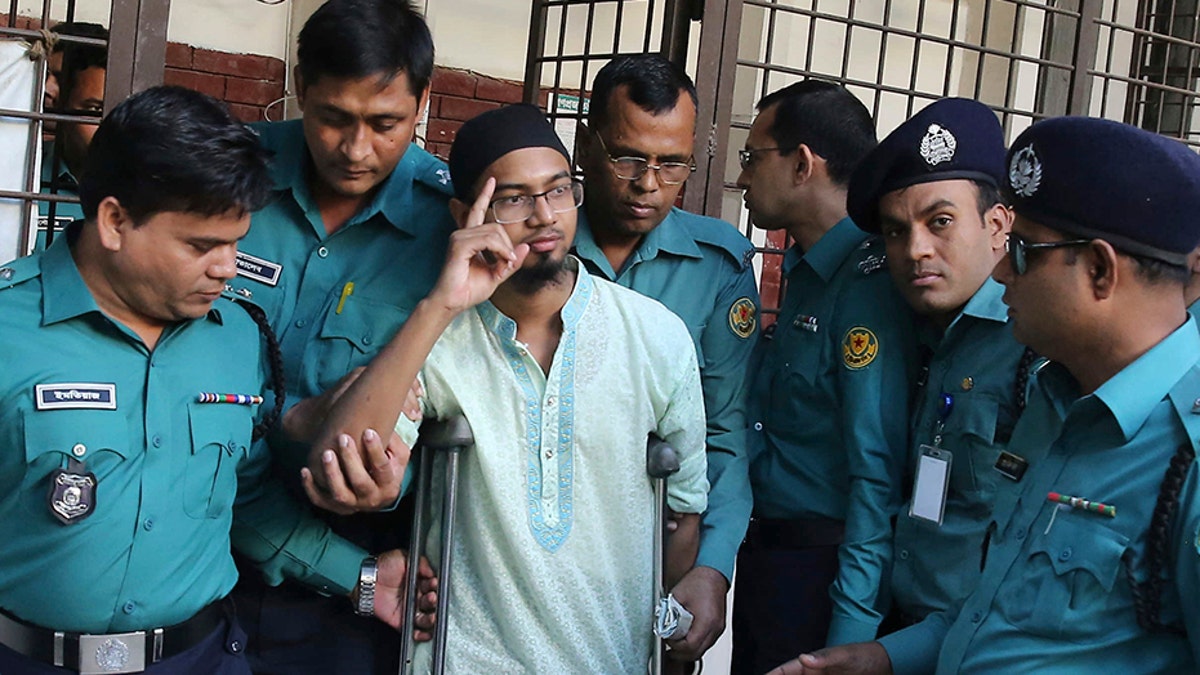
938	145
1025	172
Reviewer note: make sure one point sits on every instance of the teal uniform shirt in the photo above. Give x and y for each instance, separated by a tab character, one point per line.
832	399
699	267
391	252
1054	596
156	547
64	212
975	362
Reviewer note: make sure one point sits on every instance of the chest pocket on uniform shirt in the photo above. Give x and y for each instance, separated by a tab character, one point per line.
349	339
220	435
1064	587
970	431
53	436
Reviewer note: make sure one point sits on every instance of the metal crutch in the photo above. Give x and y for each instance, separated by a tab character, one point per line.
452	436
661	462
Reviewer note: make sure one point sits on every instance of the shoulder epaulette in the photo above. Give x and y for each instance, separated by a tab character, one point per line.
431	171
721	235
1185	397
871	256
19	271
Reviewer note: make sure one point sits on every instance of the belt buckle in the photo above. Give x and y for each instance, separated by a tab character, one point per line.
114	653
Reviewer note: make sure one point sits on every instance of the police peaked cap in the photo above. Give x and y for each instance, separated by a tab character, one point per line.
492	135
954	138
1100	179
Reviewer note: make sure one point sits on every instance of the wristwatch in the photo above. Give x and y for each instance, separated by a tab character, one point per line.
367	574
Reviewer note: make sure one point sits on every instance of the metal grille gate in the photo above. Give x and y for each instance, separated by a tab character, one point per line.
1130	60
136	56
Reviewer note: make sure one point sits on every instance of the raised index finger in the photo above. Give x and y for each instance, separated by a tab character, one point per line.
478	213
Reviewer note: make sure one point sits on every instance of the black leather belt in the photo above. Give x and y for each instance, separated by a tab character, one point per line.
790	535
130	652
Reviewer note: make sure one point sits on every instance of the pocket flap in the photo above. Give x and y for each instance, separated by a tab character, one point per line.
225	425
366	324
62	430
1076	545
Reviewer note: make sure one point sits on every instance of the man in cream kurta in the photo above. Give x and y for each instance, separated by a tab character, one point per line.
562	377
552	567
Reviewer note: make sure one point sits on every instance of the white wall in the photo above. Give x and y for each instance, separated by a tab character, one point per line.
237	26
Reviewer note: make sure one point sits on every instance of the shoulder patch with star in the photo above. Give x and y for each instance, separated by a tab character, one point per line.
859	347
743	317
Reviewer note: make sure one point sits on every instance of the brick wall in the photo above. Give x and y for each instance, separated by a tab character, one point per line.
456	96
247	82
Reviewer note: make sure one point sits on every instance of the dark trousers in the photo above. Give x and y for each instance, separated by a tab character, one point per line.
221	653
781	603
295	631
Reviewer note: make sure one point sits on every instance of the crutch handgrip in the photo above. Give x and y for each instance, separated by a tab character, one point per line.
661	459
447	434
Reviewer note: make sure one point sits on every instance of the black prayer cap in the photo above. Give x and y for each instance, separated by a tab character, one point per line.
1096	178
488	137
954	138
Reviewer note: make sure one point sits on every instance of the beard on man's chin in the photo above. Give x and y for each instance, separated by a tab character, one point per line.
545	271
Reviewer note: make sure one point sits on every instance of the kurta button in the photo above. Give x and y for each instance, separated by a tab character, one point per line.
903	554
79	450
551	401
1020	535
976	617
758	426
235	646
322	252
129	607
156	441
1065	555
301	323
367	339
148	525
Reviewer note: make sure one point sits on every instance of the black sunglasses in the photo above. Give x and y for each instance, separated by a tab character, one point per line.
1018	248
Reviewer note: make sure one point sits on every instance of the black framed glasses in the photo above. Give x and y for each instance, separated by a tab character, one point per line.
520	207
633	168
746	156
1018	249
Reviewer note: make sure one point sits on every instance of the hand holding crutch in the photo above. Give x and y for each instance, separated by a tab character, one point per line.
671	620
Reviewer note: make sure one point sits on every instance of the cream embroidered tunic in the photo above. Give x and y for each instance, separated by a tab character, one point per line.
553	539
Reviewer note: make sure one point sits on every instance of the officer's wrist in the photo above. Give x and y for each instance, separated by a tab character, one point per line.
362	596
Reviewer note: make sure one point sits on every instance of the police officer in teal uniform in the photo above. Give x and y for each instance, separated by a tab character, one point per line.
116	515
355	237
636	153
932	189
1089	562
830	395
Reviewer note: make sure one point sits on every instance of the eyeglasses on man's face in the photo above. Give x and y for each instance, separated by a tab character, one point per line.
746	156
633	168
1018	249
520	207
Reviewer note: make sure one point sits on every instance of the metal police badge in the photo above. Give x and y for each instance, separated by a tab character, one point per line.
938	145
859	348
72	494
1025	172
743	318
112	656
